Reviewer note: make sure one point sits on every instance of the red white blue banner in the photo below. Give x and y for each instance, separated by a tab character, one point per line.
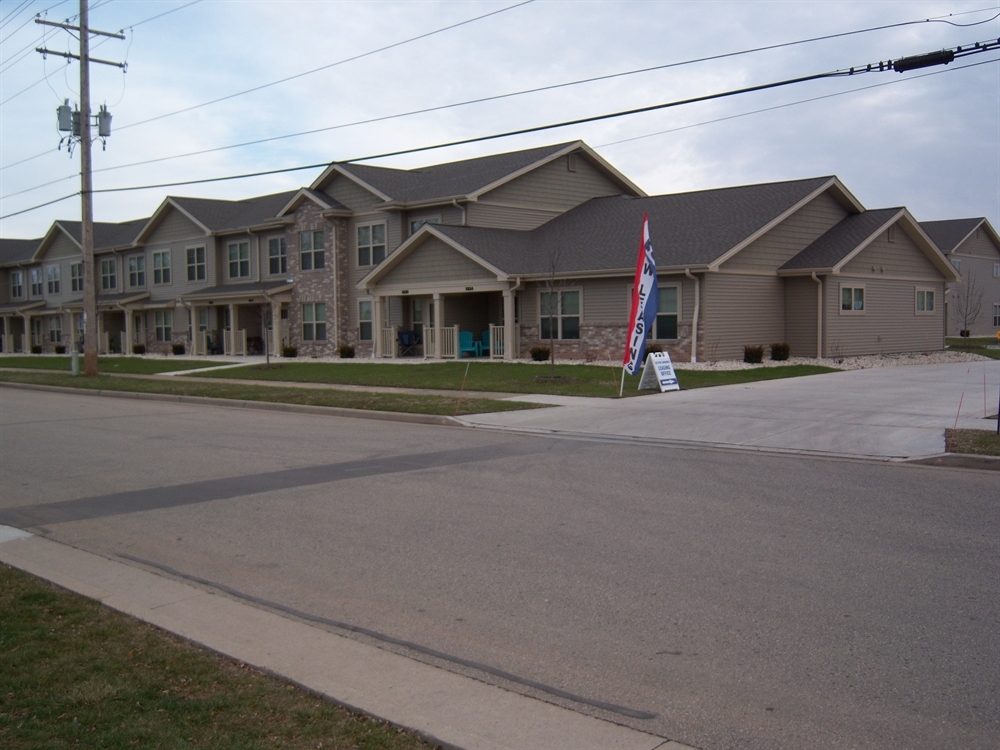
645	302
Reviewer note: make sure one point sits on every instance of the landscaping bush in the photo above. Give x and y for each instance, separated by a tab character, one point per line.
346	351
753	354
36	349
653	348
138	348
540	353
289	351
60	348
178	349
780	352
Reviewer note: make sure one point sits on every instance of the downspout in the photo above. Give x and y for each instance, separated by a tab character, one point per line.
819	315
260	261
697	311
454	202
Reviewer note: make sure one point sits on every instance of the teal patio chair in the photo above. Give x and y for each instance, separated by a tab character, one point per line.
484	344
466	344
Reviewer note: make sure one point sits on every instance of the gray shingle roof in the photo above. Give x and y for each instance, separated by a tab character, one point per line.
106	234
229	289
448	180
223	215
17	251
687	229
840	240
948	233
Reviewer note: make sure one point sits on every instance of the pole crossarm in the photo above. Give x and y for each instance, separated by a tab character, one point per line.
68	27
71	56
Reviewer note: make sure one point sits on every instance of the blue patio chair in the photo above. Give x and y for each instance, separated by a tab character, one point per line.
407	343
466	344
484	344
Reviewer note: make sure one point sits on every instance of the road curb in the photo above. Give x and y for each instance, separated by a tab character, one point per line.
960	461
329	411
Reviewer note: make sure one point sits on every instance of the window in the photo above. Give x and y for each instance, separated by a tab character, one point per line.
164	320
16	284
996	316
925	300
417	223
55	329
371	245
196	263
109	274
36	282
52	279
561	310
852	299
239	260
202	318
161	267
996	270
76	277
666	313
137	270
311	250
314	321
957	262
365	320
277	255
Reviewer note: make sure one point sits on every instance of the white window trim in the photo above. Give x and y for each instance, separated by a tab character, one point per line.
113	275
312	251
436	219
996	270
559	290
934	300
169	267
840	299
76	281
18	285
370	246
37	287
53	276
996	315
315	323
370	319
280	239
240	260
167	326
137	258
679	286
196	265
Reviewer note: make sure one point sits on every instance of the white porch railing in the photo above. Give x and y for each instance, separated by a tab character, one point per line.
200	344
227	342
240	342
387	342
496	342
449	342
126	346
104	343
430	342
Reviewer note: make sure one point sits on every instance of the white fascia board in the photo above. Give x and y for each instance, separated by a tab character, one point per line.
295	200
838	267
318	183
923	241
49	238
985	223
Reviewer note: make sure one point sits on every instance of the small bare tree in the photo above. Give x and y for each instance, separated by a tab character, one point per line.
968	301
553	296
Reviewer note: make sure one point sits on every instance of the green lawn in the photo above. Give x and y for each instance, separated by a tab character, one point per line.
498	377
976	442
395	402
76	674
129	365
976	345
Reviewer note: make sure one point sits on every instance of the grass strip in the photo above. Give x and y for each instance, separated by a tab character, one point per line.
500	377
393	402
973	442
75	673
127	365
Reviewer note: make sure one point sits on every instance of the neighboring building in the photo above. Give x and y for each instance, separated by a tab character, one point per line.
973	247
504	247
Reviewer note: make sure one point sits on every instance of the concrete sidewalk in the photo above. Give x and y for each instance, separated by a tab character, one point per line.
886	412
445	708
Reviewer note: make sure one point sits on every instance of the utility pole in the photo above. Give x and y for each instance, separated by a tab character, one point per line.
86	177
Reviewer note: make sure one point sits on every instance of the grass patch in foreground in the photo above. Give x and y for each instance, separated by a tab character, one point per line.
498	377
975	345
75	673
974	442
395	402
128	365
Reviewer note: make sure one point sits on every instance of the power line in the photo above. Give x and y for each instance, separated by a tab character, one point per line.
28	88
41	13
330	65
15	12
41	205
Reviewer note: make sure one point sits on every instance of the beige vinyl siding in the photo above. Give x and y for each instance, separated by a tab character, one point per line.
554	186
740	310
978	257
62	247
889	324
790	237
608	301
64	282
435	261
527	301
980	247
801	295
173	227
179	285
351	194
899	258
507	217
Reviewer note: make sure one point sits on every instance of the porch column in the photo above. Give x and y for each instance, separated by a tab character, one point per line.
129	331
438	319
508	324
7	348
233	323
377	324
276	332
26	341
100	332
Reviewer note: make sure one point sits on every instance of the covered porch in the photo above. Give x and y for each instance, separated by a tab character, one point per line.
239	319
16	319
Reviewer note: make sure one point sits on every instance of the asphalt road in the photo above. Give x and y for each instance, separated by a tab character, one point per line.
735	600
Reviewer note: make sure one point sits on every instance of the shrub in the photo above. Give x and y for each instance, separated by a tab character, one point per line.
60	348
753	354
539	353
138	348
779	352
114	347
178	349
289	351
346	351
653	348
36	349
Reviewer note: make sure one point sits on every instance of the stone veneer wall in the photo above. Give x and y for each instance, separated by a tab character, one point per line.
314	285
603	342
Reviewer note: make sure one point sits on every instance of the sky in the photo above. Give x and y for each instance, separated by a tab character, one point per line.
927	139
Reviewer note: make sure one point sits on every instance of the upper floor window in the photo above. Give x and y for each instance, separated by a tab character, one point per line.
311	250
239	260
16	284
371	244
417	223
109	274
52	274
852	299
196	263
137	270
996	270
277	255
957	263
76	277
559	314
36	282
161	267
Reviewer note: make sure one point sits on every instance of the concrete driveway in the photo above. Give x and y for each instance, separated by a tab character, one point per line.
889	412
